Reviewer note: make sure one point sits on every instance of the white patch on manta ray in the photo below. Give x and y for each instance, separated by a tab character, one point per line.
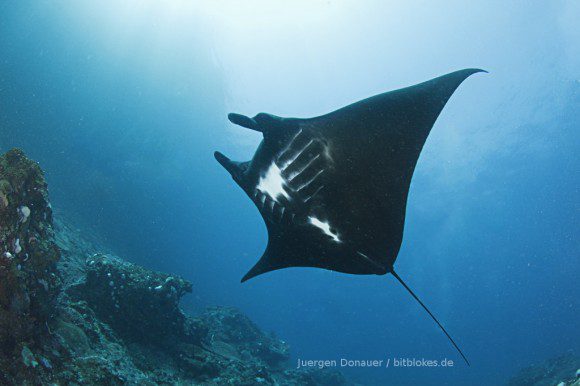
272	183
324	226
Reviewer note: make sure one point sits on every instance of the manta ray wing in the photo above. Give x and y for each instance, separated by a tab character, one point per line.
333	189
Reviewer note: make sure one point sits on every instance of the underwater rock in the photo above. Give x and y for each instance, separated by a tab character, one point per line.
237	336
132	300
219	346
561	370
242	354
71	315
28	254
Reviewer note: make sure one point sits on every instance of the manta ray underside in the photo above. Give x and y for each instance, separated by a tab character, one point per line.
333	189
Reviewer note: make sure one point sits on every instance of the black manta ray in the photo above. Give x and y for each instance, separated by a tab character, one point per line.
333	189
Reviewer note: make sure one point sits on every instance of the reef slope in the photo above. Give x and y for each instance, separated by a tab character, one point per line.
72	313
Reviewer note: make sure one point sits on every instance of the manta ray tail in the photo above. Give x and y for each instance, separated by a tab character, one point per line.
430	314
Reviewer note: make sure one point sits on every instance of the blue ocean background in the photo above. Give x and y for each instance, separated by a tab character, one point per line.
123	103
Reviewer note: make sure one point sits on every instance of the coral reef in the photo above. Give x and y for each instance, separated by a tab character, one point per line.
133	332
28	255
125	296
72	313
563	370
236	335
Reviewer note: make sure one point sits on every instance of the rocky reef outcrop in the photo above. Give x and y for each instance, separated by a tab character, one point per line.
563	370
29	282
119	324
235	334
133	300
73	313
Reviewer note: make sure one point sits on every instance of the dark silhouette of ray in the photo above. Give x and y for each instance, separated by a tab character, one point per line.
333	189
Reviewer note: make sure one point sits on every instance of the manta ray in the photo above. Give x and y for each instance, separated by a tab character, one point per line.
332	190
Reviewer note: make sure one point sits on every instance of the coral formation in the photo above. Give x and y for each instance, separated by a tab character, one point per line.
73	315
133	332
563	370
242	339
126	296
28	255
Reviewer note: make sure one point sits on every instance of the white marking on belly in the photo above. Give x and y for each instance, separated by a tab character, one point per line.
288	148
313	194
311	180
298	154
324	226
294	175
272	183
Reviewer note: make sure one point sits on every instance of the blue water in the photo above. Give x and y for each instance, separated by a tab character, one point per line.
124	104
